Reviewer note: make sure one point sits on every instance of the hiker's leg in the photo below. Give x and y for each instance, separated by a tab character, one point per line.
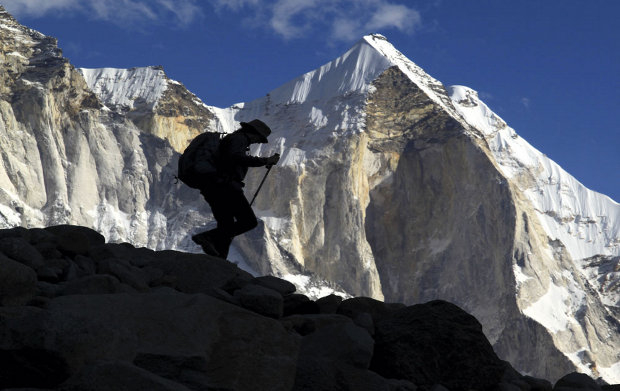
245	219
207	244
223	212
233	214
222	245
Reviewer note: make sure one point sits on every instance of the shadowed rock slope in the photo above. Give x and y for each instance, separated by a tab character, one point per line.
79	314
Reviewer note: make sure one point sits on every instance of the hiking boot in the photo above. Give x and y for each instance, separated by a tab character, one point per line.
204	241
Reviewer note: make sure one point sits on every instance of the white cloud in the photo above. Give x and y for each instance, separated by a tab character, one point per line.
350	19
38	8
235	5
394	16
123	12
346	29
290	18
185	11
342	19
525	102
485	96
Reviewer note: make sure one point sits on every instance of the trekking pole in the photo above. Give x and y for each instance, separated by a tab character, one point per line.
261	184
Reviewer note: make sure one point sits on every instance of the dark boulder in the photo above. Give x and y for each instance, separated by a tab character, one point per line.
28	367
18	282
377	309
74	240
329	304
279	285
336	357
187	370
576	381
118	376
538	384
18	249
436	343
304	324
299	304
198	273
261	300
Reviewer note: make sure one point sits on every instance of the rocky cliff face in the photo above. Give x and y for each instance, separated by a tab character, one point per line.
69	158
560	224
390	186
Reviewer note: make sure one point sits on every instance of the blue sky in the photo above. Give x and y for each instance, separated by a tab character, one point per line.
550	68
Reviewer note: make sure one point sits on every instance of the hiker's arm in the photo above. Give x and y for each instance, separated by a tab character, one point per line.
236	151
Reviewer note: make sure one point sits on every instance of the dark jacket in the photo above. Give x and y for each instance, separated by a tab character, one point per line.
234	159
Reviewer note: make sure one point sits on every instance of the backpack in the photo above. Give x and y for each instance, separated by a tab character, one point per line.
198	163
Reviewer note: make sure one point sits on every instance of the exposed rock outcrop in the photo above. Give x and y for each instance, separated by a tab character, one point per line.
113	316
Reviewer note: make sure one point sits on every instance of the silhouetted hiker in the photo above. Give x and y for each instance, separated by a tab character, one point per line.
230	208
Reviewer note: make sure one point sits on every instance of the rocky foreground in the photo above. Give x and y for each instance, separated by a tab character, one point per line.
79	314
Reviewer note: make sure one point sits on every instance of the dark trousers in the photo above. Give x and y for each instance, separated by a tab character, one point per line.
233	214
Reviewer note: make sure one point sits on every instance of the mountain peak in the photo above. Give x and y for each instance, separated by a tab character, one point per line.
353	73
5	15
350	73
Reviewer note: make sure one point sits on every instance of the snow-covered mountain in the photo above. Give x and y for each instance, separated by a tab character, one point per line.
390	186
394	161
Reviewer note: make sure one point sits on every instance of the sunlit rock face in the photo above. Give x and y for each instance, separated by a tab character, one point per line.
69	158
452	242
390	186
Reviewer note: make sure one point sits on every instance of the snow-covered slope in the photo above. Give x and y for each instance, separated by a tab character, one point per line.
579	222
585	222
155	103
127	88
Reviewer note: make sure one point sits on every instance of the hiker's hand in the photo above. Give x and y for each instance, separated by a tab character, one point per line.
272	160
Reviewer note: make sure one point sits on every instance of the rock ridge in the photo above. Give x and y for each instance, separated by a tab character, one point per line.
77	313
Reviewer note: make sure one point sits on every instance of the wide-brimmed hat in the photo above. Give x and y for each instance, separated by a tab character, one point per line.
258	127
